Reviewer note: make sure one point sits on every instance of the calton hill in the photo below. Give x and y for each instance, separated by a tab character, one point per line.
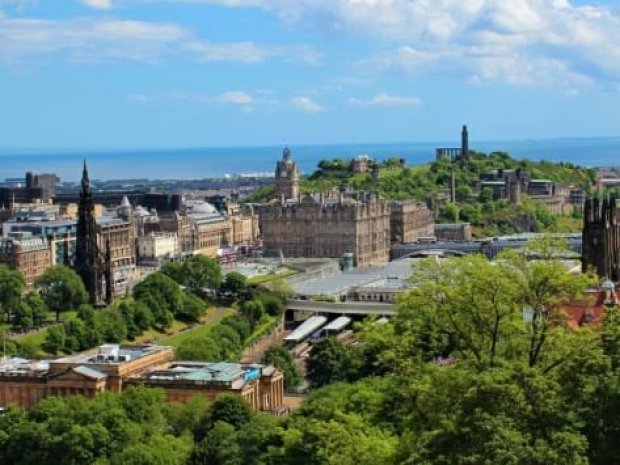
475	201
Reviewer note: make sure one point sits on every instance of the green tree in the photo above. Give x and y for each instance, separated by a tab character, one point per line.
11	287
327	363
219	447
55	340
234	283
227	408
61	289
253	310
282	359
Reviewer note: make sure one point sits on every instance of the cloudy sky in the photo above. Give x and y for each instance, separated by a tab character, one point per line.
193	73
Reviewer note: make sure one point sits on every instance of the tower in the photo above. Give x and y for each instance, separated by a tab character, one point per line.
89	263
287	177
464	145
601	238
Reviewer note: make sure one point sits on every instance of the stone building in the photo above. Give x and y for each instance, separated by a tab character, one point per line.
453	232
24	383
261	386
29	255
328	225
410	220
601	238
47	182
460	154
361	164
287	177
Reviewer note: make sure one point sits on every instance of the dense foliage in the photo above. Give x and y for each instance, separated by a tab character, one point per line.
477	367
157	301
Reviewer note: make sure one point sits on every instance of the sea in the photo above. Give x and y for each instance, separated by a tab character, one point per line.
198	163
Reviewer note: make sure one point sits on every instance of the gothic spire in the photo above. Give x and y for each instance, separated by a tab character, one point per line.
85	179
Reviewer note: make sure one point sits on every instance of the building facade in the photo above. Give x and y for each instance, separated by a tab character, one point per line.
328	226
409	221
601	238
111	368
29	255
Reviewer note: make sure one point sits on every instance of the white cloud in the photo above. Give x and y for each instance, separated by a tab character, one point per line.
101	4
383	99
249	52
235	98
307	105
24	40
514	41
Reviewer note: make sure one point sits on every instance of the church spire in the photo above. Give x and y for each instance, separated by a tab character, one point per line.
85	179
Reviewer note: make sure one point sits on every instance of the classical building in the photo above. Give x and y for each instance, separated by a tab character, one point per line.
601	238
410	220
24	383
460	154
287	177
29	255
328	225
261	386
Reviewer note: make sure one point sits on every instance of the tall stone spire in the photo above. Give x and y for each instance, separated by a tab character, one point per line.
88	263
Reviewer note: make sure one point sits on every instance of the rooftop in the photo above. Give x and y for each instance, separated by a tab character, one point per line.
111	354
232	375
341	284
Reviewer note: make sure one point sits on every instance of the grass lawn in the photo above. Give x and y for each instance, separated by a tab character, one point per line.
213	317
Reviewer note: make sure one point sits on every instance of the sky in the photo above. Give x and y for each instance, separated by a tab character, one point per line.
104	74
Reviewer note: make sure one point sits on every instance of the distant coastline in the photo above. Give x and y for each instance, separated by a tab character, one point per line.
196	163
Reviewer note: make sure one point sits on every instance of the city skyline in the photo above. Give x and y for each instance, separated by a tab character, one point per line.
99	74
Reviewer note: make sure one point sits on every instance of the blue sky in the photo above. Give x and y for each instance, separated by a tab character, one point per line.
194	73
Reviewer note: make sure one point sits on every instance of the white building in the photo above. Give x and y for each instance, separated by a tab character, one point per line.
155	247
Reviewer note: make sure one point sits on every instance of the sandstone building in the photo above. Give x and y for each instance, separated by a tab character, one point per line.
409	221
24	383
29	255
601	238
330	225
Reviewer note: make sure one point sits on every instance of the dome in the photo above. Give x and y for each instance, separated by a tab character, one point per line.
607	286
204	207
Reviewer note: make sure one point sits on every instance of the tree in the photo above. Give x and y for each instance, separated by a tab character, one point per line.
61	289
11	287
282	359
327	363
240	324
192	307
219	447
253	310
227	408
451	212
111	326
55	340
200	272
273	304
234	283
